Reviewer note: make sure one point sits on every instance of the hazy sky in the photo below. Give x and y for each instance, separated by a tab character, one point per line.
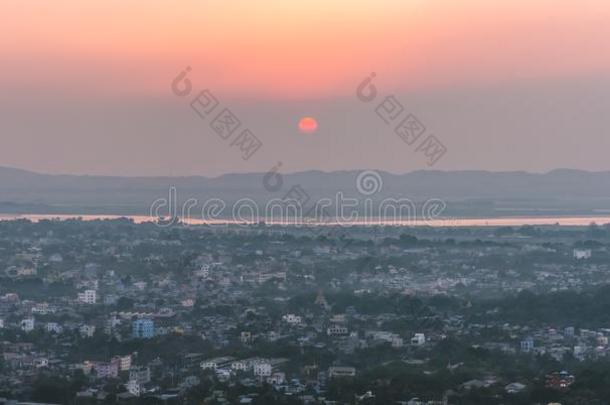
505	85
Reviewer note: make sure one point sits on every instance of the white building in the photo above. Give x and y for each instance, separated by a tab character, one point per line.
218	362
582	254
277	378
397	342
336	371
140	285
239	365
527	345
56	258
203	272
292	319
245	337
419	339
263	369
134	388
111	324
87	330
336	330
515	388
191	381
42	308
54	327
27	325
88	297
41	362
188	303
579	352
338	318
223	374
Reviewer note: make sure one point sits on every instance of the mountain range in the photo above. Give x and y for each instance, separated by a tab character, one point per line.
466	193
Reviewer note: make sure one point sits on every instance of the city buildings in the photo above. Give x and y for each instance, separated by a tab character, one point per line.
143	329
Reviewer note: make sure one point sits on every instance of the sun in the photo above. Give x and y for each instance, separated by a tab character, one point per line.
308	125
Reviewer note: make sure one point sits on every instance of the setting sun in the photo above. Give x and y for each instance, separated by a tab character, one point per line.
308	125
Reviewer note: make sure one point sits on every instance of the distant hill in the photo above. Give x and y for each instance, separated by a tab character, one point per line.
467	193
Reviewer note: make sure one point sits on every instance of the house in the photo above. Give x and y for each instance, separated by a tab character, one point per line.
262	369
141	375
582	254
191	381
27	325
336	330
476	384
42	308
106	370
579	352
337	372
277	378
239	365
203	272
134	388
123	362
397	342
559	380
418	401
245	337
54	327
188	303
110	324
216	363
41	362
223	374
527	345
19	272
292	319
56	258
514	388
418	339
87	330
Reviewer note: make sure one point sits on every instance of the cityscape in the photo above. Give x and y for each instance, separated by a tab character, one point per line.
110	310
304	202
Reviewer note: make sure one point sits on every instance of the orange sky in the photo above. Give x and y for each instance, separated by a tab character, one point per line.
297	49
506	84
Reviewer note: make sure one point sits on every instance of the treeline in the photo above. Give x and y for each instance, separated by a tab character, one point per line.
589	308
